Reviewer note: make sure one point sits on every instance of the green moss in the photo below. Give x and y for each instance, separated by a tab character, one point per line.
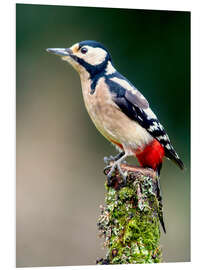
126	193
130	224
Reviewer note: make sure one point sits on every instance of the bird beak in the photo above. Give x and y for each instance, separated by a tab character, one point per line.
60	51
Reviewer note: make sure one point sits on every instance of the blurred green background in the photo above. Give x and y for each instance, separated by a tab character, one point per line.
60	183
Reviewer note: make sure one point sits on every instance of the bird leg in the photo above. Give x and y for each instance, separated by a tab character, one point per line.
115	166
110	159
107	160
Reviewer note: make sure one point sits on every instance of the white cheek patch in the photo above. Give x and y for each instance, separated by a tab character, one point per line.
94	56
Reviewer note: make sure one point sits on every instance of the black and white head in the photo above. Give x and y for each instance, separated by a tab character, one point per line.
86	56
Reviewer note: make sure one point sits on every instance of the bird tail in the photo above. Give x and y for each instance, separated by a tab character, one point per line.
160	206
172	155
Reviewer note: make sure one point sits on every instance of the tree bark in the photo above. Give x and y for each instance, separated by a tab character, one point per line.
129	221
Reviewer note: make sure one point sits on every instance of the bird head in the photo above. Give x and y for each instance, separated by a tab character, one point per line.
86	56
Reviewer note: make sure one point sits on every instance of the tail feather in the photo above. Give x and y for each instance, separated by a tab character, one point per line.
160	208
171	154
161	219
159	198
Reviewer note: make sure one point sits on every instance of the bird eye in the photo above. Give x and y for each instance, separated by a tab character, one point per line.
84	50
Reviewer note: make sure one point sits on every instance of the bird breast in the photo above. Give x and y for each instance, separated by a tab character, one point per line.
110	120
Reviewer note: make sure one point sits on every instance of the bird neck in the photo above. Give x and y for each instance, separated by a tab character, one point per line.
94	73
109	68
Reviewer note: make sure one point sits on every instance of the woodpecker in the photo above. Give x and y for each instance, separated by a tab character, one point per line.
119	111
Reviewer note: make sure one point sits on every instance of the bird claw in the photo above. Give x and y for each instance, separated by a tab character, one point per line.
107	168
123	175
113	168
116	165
109	159
105	160
109	182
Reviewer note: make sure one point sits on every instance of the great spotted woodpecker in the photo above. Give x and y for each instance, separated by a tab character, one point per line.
119	111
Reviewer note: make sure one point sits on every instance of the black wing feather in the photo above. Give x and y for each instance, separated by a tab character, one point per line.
134	105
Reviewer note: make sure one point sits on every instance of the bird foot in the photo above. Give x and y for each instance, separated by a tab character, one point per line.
107	160
114	167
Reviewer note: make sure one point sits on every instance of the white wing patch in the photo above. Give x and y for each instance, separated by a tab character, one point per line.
125	84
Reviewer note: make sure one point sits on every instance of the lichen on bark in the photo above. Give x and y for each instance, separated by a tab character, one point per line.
129	221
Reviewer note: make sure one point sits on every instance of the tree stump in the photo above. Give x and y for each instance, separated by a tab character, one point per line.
129	221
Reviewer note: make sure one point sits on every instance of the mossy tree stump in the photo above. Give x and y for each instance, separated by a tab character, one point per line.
129	221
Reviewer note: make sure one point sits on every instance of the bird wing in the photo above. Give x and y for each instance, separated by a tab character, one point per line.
136	107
